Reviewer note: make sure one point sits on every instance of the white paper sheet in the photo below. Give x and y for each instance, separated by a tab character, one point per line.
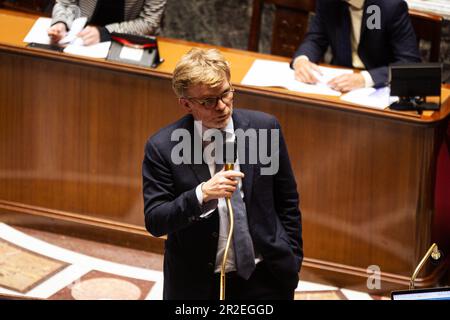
370	97
330	73
133	54
38	32
76	28
99	50
266	73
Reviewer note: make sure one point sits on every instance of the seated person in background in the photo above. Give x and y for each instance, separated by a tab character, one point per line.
358	39
106	16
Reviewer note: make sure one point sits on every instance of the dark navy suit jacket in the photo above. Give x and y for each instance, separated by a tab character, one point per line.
171	207
394	42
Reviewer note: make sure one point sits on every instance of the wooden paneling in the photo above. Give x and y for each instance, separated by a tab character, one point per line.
73	137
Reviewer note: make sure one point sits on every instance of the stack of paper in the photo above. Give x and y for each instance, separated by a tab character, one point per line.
266	73
74	45
38	33
371	97
98	50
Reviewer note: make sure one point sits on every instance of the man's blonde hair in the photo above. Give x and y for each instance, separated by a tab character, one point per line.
200	67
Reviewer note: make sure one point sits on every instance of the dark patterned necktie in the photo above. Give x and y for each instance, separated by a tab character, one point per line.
242	241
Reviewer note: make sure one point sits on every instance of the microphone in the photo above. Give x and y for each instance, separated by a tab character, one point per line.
229	153
435	255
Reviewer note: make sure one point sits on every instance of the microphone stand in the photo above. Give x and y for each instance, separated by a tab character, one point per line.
228	166
433	251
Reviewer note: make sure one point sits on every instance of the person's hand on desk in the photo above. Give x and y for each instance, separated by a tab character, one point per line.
221	185
90	35
347	82
57	31
305	70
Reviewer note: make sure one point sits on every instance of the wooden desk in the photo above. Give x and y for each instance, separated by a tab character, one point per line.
72	135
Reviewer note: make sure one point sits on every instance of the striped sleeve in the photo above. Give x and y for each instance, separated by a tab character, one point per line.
65	11
148	19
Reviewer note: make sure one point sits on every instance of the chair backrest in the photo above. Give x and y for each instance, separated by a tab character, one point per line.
428	27
289	27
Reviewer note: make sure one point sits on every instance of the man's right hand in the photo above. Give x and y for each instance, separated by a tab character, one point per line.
221	185
56	32
305	70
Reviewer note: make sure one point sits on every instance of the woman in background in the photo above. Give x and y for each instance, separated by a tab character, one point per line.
106	16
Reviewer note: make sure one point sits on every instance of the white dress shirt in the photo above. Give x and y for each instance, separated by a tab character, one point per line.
356	13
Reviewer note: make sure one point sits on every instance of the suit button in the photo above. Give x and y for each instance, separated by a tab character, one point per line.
210	265
214	234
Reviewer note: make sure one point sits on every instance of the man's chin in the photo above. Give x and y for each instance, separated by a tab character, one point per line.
220	123
223	123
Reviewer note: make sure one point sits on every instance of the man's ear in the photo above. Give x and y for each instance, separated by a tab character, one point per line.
185	104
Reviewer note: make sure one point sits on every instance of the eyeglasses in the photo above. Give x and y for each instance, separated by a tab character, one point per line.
210	103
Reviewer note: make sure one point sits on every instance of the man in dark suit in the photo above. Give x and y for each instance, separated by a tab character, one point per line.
367	35
185	200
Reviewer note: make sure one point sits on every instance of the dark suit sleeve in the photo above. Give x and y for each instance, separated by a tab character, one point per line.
164	211
316	40
287	199
402	41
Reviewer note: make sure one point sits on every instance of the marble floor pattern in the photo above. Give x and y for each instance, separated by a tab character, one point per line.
32	265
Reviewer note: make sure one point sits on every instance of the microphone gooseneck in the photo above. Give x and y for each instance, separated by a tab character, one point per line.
228	166
432	252
230	155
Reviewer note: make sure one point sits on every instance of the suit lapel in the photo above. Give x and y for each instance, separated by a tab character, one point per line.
240	122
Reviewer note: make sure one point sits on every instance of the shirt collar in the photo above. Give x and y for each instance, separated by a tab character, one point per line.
357	4
229	129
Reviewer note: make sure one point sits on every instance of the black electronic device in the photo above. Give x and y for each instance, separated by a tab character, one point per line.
52	47
413	83
134	49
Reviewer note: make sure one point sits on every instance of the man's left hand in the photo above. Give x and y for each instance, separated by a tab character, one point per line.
347	82
90	35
